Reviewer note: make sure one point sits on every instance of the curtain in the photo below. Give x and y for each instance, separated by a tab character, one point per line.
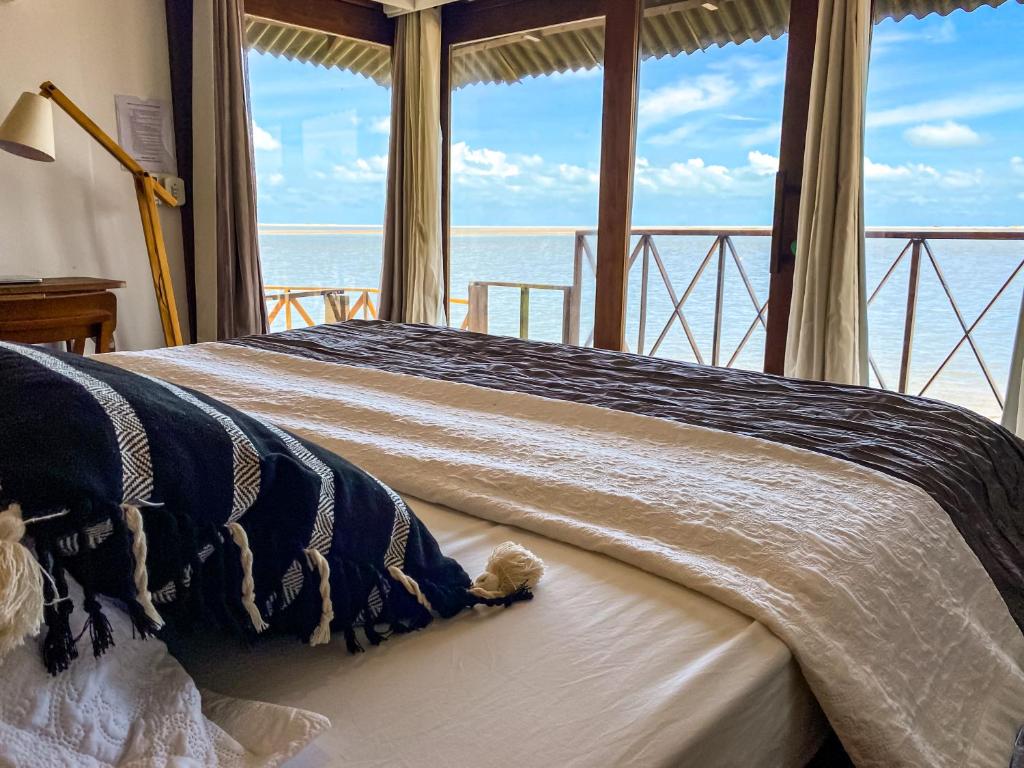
412	272
239	285
1013	414
827	338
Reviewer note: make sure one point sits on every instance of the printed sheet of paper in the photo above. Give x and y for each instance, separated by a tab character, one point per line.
145	130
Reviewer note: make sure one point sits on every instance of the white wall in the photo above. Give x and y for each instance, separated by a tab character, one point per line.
78	216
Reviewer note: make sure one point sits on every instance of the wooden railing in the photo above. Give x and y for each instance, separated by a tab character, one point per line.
722	256
477	317
338	305
723	252
920	250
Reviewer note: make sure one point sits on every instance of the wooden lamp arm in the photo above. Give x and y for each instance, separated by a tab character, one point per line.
52	92
147	189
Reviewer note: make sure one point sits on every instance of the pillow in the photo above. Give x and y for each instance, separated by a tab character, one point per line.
140	709
188	510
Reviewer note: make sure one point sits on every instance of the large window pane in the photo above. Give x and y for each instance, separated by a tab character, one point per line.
525	151
321	143
943	179
709	117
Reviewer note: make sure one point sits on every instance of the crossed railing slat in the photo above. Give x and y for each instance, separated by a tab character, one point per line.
916	246
723	251
646	250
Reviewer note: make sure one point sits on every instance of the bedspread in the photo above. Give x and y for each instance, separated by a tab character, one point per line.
898	629
970	465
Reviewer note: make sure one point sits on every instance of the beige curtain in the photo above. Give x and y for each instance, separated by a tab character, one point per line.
240	308
827	337
1013	413
412	271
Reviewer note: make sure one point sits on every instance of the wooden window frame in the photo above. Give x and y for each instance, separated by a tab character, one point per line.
485	19
803	23
358	19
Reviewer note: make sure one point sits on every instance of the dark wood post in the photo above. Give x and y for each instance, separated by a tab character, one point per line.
803	24
618	142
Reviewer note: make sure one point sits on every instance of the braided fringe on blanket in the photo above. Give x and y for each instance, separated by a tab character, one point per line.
338	595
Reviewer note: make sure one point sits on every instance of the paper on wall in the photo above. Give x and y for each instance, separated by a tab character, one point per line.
145	130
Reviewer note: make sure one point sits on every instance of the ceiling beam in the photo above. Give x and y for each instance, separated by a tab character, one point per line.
358	19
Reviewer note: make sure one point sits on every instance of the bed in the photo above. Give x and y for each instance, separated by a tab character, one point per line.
608	666
659	638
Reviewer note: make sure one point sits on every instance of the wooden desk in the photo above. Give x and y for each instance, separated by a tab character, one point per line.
68	309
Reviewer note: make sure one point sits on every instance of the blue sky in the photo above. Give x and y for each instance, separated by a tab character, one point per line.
945	139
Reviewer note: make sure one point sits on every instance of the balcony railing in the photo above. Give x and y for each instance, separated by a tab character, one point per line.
723	253
339	304
654	287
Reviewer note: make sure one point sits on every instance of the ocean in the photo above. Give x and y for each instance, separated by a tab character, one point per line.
299	255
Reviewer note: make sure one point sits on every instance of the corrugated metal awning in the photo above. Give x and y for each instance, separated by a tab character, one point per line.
670	27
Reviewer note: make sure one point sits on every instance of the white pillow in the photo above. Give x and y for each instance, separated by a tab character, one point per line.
135	706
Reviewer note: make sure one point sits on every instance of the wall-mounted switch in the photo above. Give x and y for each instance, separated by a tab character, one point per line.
174	185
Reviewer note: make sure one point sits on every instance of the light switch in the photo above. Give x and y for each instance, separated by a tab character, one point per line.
174	185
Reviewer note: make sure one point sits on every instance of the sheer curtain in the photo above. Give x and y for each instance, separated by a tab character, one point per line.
412	271
827	338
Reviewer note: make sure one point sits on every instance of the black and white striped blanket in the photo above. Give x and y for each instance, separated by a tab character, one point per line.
184	508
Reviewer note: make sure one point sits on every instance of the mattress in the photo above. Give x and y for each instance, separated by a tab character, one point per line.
608	666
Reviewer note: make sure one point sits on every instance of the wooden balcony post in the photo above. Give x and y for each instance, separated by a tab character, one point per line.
644	274
477	314
524	312
803	23
335	307
618	141
908	327
570	330
572	334
716	338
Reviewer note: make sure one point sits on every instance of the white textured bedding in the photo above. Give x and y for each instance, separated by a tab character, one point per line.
900	634
608	666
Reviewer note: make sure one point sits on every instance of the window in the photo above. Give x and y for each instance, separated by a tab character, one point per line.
944	178
524	159
321	107
709	121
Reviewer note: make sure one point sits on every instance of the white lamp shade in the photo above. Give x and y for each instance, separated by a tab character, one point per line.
28	129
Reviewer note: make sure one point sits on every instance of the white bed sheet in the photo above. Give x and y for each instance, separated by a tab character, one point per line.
609	665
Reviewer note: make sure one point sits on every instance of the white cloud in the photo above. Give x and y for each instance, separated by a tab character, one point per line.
672	137
767	78
917	177
275	179
381	125
1017	165
574	174
960	106
942	135
363	170
769	134
692	175
887	38
961	179
762	164
262	140
703	92
882	172
469	162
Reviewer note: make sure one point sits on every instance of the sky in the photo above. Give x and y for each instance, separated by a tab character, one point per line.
944	143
